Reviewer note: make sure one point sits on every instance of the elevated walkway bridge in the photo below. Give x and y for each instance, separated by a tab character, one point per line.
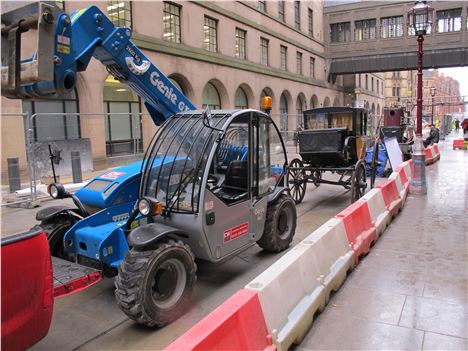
373	36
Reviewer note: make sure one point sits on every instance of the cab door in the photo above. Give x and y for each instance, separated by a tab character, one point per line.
228	196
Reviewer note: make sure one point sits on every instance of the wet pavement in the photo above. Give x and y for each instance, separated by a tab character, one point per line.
411	291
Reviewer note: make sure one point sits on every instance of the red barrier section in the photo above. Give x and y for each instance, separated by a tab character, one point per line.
359	229
459	144
391	196
436	148
429	159
238	324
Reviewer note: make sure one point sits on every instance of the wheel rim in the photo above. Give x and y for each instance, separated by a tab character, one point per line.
168	283
296	181
359	182
284	224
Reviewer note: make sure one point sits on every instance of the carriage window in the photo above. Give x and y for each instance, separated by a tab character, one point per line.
342	120
315	121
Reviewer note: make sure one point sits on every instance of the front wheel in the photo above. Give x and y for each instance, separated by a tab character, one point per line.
154	287
280	225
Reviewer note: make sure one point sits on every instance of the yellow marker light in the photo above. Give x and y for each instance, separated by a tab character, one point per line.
266	103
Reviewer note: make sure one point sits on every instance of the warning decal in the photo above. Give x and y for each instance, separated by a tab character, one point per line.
112	175
236	232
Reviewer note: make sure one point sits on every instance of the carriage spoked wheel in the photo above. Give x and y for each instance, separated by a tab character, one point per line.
296	180
358	181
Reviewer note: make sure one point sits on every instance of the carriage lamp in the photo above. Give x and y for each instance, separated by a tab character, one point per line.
56	191
149	206
266	104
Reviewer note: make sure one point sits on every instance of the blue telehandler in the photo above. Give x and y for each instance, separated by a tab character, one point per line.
211	183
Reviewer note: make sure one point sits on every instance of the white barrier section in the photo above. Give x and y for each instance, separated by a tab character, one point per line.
400	187
380	216
407	169
299	283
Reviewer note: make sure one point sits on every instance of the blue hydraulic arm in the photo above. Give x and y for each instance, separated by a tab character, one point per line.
89	33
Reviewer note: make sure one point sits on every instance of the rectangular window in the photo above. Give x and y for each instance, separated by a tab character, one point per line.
449	20
171	22
340	32
367	82
264	51
262	6
378	87
311	22
211	34
283	58
297	15
312	67
299	63
372	84
120	13
365	30
240	44
281	15
391	27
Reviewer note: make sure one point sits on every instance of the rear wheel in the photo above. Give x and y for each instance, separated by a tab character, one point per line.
296	180
280	225
358	181
154	287
55	231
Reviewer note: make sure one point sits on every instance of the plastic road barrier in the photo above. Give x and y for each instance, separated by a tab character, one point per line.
360	231
380	216
402	191
391	196
459	144
298	285
237	324
429	158
437	151
435	156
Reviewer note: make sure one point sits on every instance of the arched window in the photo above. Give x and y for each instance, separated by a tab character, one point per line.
123	124
283	113
299	110
240	99
53	123
176	83
211	97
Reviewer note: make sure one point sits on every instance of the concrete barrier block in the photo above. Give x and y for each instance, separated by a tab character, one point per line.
380	216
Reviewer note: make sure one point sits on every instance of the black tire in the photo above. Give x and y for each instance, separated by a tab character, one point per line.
144	286
374	164
280	225
55	231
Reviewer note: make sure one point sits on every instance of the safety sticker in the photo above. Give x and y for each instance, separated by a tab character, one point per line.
112	175
63	49
236	232
62	39
209	205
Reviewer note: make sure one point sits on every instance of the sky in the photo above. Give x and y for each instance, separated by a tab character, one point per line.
460	74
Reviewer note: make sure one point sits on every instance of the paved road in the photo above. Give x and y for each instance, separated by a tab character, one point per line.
91	320
411	291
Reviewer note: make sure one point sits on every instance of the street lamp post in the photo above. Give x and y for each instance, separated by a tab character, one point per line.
433	91
420	20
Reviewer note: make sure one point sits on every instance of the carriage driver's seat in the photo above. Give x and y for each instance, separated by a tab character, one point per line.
235	185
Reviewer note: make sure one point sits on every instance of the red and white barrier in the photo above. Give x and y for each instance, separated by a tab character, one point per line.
432	154
238	324
360	231
391	196
298	285
380	216
278	306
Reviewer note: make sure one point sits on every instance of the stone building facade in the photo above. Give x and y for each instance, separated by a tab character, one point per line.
225	54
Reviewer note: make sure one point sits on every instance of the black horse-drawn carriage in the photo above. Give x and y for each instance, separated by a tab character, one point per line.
333	140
